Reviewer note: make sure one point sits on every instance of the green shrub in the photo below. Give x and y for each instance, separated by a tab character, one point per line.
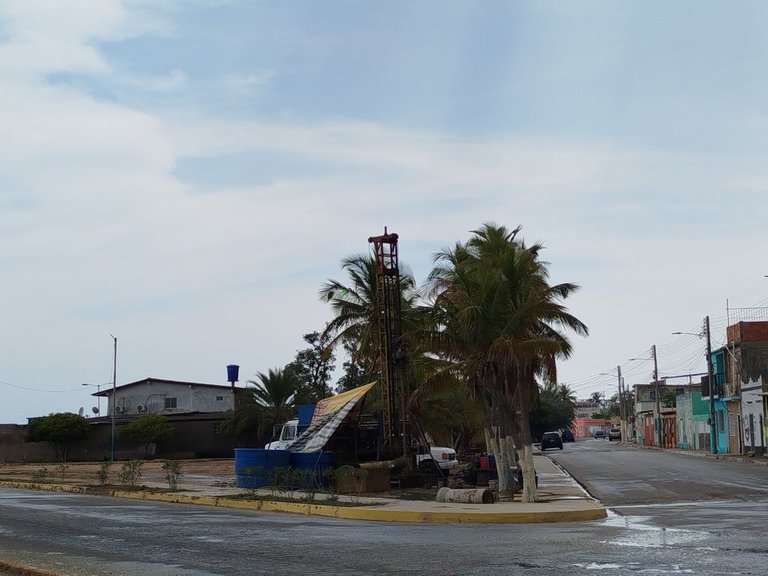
172	471
40	474
103	473
130	473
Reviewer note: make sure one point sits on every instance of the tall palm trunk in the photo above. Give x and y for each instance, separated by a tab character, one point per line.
502	449
525	442
526	458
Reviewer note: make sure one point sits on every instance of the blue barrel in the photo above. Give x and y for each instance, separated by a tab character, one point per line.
319	462
252	465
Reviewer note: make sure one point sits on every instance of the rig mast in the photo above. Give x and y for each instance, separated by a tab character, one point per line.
392	350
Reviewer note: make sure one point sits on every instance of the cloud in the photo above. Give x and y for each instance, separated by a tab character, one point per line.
42	36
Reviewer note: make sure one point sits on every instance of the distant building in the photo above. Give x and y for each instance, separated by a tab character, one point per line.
585	408
167	397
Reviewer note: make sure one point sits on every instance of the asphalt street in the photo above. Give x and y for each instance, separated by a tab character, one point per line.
695	532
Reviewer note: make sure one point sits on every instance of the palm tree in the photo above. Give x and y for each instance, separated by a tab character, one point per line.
274	395
498	321
354	305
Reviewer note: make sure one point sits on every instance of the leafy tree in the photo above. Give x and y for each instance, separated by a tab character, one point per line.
599	399
146	429
245	422
59	430
354	371
312	368
613	407
668	397
554	409
499	322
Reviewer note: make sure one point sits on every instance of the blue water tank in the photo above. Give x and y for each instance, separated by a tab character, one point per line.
252	465
233	372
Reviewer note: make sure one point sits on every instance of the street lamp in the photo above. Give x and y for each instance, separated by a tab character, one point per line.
114	398
98	397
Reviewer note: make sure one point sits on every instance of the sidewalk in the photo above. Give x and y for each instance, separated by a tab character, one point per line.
561	500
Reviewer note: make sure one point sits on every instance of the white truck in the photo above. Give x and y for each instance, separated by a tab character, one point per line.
444	457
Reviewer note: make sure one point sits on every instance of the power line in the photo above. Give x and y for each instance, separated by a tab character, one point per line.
37	389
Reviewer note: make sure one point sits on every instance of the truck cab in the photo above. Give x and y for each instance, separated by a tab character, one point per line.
288	434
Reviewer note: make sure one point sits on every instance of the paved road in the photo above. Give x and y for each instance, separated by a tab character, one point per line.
619	474
88	535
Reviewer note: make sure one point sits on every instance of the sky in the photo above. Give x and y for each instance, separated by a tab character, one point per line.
186	175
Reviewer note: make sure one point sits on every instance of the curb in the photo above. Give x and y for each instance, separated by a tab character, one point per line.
595	511
21	570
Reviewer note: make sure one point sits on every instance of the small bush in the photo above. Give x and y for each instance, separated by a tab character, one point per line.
40	474
284	480
349	476
250	472
307	483
61	469
103	473
172	470
130	473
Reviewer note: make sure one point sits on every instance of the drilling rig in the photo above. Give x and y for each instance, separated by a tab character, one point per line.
392	352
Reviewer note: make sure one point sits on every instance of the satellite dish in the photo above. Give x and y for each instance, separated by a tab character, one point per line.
95	410
80	412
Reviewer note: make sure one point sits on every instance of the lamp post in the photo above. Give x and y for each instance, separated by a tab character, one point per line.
114	398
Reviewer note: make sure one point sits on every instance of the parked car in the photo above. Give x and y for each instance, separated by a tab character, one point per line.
567	436
599	433
551	440
614	434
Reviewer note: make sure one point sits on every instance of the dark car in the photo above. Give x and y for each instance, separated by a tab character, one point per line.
567	436
599	433
551	440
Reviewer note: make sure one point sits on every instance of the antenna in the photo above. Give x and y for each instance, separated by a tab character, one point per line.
95	410
80	412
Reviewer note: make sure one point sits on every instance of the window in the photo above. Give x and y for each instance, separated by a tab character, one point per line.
170	403
219	398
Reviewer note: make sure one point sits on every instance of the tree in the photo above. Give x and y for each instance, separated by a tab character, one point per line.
498	321
59	430
354	308
555	408
354	371
599	399
146	429
274	397
312	368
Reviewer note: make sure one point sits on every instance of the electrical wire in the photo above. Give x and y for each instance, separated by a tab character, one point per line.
37	389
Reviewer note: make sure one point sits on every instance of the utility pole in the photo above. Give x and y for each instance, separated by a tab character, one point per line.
114	398
658	397
711	381
622	415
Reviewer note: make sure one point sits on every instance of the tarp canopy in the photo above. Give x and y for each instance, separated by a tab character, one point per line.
329	414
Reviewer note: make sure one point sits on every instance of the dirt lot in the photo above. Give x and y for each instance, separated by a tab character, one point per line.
213	472
196	475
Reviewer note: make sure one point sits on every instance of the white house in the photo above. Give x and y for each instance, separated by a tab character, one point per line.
158	396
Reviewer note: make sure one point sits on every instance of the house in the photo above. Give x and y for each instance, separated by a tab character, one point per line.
655	424
693	430
586	408
167	397
740	373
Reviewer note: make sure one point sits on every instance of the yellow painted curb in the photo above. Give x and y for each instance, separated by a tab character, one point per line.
370	513
23	570
377	513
